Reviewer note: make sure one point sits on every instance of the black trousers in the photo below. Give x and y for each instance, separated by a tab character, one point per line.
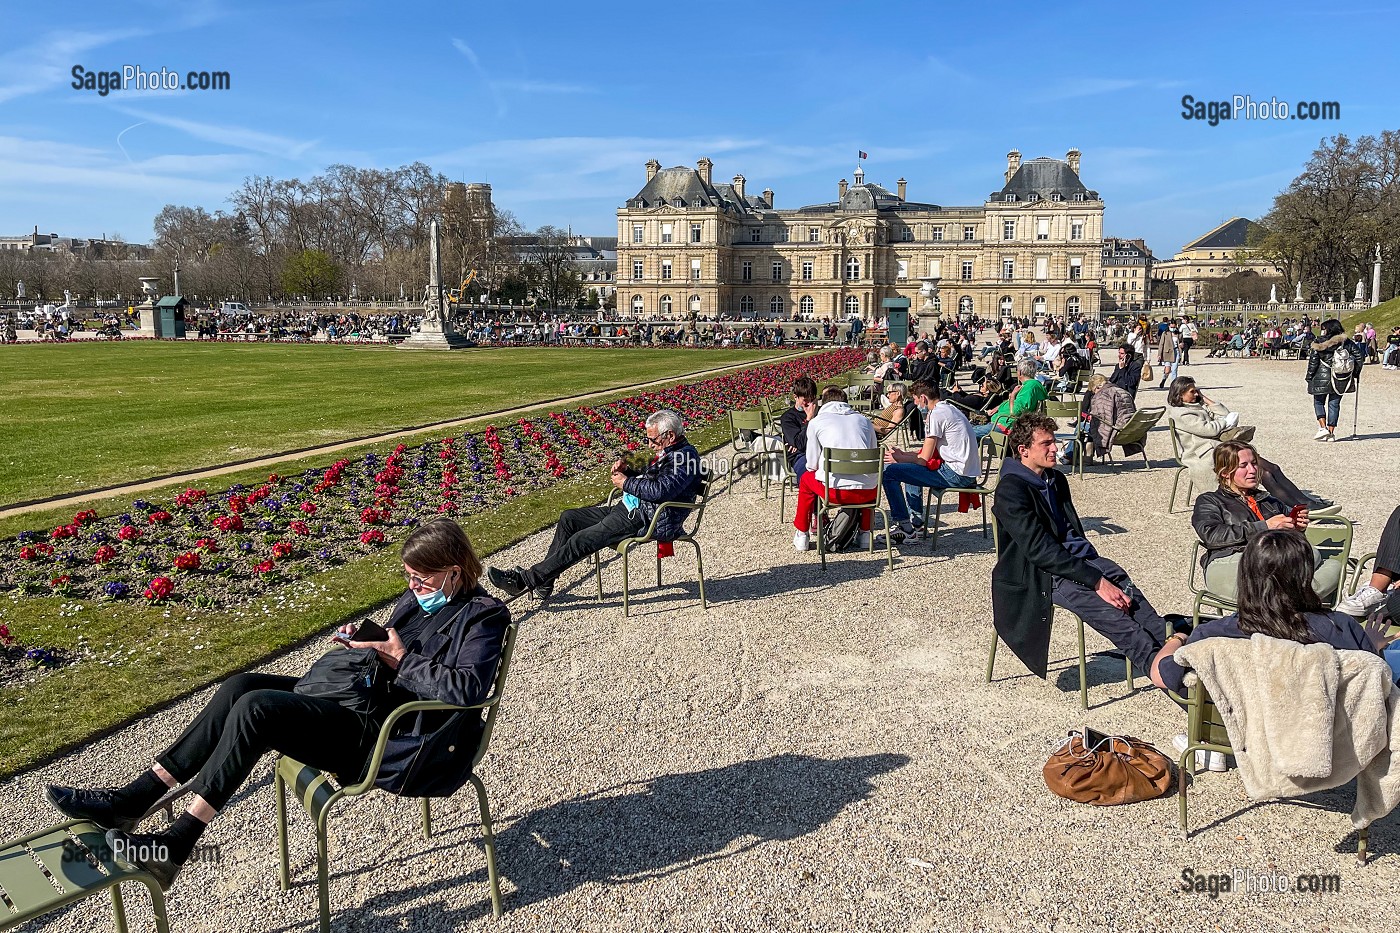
579	534
1139	633
252	714
1388	551
1281	487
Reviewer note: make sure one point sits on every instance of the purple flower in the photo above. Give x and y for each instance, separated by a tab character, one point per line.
265	525
237	487
142	505
323	554
26	536
125	518
245	546
97	537
116	590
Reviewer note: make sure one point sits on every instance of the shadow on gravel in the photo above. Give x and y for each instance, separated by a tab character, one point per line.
634	832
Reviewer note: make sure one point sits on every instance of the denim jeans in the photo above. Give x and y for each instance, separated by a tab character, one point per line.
1328	407
904	484
980	431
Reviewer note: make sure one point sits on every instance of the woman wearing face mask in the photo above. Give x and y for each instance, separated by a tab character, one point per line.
445	637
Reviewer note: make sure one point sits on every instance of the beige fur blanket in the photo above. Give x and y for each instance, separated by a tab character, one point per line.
1304	718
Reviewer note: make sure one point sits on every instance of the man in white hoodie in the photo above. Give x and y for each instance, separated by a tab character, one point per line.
835	425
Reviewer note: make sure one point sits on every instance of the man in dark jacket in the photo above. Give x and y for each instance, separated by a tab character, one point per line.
674	476
923	367
1044	558
1127	375
793	423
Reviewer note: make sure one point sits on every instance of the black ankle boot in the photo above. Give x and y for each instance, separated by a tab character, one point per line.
109	808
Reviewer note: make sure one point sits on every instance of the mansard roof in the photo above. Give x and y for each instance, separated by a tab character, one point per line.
869	197
681	186
1235	233
1044	177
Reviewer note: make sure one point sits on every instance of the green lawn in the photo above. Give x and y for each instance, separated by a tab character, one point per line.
1383	317
83	416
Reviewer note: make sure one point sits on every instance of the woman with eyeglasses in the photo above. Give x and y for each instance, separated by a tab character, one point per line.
444	641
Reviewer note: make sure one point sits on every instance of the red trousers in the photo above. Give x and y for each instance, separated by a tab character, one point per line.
808	489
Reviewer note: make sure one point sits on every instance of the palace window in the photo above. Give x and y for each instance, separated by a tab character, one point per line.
1008	270
746	271
665	233
665	304
1008	229
1042	268
1072	306
665	270
852	305
775	306
807	305
1038	307
935	268
814	234
777	271
636	268
1076	230
695	233
969	232
756	235
638	305
695	270
807	271
784	235
636	233
967	270
852	269
1009	197
1076	269
1042	228
907	234
1079	195
746	304
903	271
936	235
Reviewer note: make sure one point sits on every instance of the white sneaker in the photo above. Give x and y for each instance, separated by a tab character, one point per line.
1360	603
1325	511
801	541
1321	435
863	539
1210	761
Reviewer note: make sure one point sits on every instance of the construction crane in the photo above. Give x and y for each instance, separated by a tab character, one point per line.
455	295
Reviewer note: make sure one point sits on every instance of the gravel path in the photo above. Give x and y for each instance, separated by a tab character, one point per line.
815	752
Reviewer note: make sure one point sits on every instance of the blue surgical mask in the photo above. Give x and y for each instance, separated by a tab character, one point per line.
432	602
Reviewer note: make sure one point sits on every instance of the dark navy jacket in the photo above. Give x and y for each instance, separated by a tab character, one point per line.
673	477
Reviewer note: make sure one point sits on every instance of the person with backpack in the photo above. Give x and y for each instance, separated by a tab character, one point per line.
1334	370
836	425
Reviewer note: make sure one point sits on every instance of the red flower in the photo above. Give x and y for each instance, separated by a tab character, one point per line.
161	516
60	580
27	553
129	533
237	504
373	536
207	545
369	516
103	554
63	531
187	561
300	528
282	549
264	567
308	507
84	517
159	588
229	522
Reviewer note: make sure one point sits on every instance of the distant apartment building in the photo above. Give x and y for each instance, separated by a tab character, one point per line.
1127	274
1033	248
37	243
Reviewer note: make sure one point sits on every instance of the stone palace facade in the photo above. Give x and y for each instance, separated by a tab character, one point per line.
1034	248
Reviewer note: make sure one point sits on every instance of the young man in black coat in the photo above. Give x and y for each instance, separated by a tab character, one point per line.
1044	559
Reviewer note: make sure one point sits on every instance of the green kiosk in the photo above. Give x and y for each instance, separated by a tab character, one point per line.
170	316
896	320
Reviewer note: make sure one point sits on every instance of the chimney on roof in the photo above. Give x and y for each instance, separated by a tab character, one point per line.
841	188
705	165
653	167
1013	162
1072	157
739	185
902	185
768	196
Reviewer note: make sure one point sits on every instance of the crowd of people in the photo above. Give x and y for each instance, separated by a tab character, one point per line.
445	635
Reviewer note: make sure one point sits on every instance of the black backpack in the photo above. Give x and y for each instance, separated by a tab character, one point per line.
838	532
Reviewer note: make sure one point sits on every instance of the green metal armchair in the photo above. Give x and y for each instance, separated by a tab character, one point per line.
841	461
318	796
649	536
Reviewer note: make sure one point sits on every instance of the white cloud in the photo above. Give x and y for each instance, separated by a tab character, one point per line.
48	63
542	87
235	136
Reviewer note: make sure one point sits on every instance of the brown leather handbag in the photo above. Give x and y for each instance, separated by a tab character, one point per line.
1107	770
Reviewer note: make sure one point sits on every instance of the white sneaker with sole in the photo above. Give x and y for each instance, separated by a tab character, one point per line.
1210	761
801	541
1360	603
1321	434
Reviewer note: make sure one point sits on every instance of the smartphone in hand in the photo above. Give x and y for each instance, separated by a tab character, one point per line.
1296	512
368	631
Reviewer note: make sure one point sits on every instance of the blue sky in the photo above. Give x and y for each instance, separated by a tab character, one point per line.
559	105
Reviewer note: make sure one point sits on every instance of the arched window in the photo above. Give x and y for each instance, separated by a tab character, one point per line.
1072	306
665	304
965	304
1006	305
853	269
806	305
695	302
852	305
746	304
1038	307
775	306
638	305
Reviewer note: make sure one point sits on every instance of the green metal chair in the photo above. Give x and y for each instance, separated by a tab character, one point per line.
1180	470
993	448
63	864
1068	412
649	536
858	383
752	419
1135	432
318	796
847	461
786	478
931	495
1332	536
1359	574
1083	655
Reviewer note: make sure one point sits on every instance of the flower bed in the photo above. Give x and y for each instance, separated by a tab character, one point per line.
211	550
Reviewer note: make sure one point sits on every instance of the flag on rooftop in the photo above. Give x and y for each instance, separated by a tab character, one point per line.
863	155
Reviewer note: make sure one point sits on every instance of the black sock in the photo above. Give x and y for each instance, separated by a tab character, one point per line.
182	836
142	793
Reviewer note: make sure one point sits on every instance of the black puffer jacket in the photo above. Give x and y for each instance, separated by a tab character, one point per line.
1225	524
1320	381
675	476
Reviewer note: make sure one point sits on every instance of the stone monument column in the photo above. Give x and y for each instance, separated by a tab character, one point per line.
146	310
436	332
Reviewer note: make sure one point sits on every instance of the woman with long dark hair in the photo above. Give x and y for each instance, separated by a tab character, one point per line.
1276	598
1334	366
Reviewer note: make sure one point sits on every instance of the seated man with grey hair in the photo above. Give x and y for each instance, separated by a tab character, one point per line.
1029	396
674	475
